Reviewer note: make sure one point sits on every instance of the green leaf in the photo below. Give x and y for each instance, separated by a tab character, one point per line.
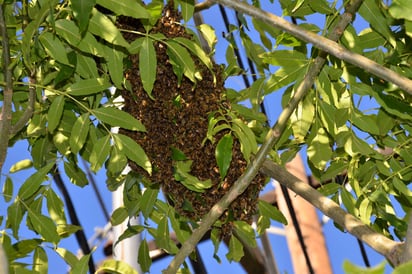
181	228
75	174
113	266
20	165
235	250
98	156
248	143
182	174
350	268
177	154
245	232
117	161
118	118
131	8
196	51
71	33
208	34
133	151
181	61
88	87
114	58
66	230
162	234
144	257
24	247
68	257
268	210
348	200
79	133
32	184
55	207
404	268
55	112
81	11
54	47
223	154
7	189
44	226
40	263
14	217
147	64
148	200
81	266
372	13
319	150
119	215
131	231
302	118
188	8
103	27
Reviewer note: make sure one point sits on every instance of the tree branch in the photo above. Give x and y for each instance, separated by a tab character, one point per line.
4	264
204	5
388	248
321	43
271	139
6	111
407	253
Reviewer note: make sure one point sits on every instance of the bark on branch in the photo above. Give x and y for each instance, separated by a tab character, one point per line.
322	43
388	248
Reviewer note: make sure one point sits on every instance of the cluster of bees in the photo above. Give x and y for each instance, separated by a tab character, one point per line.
178	117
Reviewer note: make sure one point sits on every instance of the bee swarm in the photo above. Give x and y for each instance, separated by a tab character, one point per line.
184	126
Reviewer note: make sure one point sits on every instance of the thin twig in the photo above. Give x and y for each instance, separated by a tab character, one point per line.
6	111
271	139
322	43
385	246
28	112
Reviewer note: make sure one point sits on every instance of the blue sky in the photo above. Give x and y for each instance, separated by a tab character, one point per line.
341	246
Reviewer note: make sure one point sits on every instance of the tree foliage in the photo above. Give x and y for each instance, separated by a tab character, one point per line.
64	67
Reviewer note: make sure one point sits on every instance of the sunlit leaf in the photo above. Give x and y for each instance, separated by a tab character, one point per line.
245	232
223	154
81	266
148	200
182	174
350	268
32	184
133	151
81	11
55	112
319	150
272	212
40	262
54	47
100	152
129	8
209	34
235	250
20	165
55	207
79	132
188	8
68	257
15	213
143	256
118	118
75	174
88	87
7	189
114	266
147	64
119	215
44	226
103	27
182	61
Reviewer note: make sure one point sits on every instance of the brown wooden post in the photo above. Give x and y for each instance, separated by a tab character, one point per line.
309	224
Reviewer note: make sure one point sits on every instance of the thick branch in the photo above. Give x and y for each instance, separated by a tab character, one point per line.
407	253
204	5
270	141
6	111
4	264
388	248
322	43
